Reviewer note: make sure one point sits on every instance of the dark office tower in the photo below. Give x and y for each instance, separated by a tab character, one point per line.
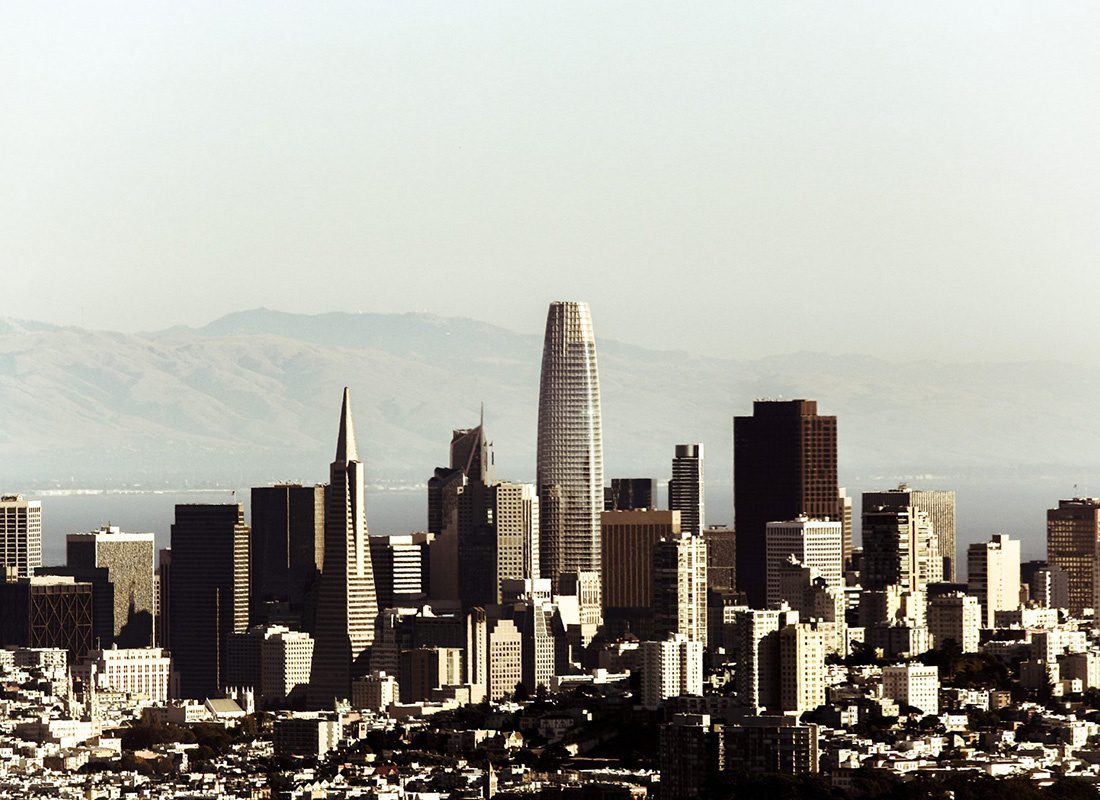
1073	536
47	611
164	586
631	494
938	504
347	605
456	501
570	444
288	541
721	557
685	490
469	460
208	597
784	466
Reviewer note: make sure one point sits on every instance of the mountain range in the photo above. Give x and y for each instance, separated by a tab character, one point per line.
254	397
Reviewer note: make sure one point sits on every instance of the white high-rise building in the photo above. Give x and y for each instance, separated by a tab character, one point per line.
914	685
20	535
686	493
756	651
993	575
801	668
570	445
671	668
680	587
818	544
956	617
142	672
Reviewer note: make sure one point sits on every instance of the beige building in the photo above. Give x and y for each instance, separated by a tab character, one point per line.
141	672
505	658
993	575
680	587
956	617
801	668
815	543
671	668
515	508
914	685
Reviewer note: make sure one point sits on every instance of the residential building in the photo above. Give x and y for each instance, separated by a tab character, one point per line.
680	587
671	668
914	685
686	489
957	618
993	575
801	668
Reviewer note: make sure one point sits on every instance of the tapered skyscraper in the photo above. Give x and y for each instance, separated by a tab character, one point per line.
347	605
570	445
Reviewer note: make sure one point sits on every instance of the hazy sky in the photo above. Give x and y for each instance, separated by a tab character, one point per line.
730	178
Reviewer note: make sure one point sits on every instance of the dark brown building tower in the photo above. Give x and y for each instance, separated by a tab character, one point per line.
208	592
784	465
288	543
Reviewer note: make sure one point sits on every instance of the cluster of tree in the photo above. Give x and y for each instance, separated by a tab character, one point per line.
212	739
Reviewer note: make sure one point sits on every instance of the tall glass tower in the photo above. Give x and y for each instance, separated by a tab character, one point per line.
570	445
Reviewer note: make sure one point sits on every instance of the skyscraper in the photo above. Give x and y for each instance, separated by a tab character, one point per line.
347	605
20	535
685	490
208	596
1073	542
457	514
938	504
570	444
784	466
128	561
288	542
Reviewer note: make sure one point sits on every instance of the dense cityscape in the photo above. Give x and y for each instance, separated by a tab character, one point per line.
562	639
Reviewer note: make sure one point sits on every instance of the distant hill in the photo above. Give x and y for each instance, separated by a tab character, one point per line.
254	396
